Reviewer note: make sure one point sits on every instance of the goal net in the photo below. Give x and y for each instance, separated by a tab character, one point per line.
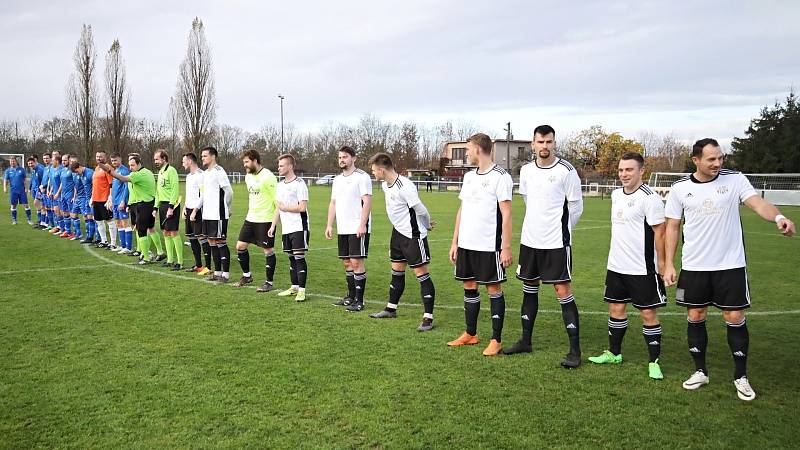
778	188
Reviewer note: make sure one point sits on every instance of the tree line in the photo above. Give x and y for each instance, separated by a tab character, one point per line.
97	118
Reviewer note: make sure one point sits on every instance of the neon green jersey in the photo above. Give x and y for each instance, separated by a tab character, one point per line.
143	185
168	187
261	190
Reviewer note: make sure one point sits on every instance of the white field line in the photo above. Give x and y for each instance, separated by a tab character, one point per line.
51	269
403	304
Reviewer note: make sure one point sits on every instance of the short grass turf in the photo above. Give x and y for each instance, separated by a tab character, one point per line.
99	353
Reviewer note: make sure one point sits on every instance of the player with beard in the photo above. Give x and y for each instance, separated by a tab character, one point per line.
168	200
350	205
215	209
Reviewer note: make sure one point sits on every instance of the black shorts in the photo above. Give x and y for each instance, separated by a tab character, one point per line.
132	211
256	233
550	266
168	223
297	241
725	289
481	267
144	217
412	251
351	246
216	229
193	228
100	211
642	291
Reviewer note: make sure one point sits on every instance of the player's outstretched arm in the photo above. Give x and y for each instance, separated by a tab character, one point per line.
770	213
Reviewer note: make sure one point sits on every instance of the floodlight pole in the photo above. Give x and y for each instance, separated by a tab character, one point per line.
283	149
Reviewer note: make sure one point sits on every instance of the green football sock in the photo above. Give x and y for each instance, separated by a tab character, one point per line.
156	238
170	249
178	249
144	246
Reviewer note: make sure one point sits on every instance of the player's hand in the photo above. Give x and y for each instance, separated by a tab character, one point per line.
786	227
506	257
154	213
362	230
453	253
329	232
193	216
433	225
169	212
109	206
271	231
669	275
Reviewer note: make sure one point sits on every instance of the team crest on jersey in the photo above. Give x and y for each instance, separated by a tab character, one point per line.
722	190
689	195
552	179
485	184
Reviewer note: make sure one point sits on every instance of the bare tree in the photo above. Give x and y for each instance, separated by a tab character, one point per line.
82	90
118	99
195	92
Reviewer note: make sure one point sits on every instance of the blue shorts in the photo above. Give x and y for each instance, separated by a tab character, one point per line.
66	205
18	197
39	196
119	214
83	207
46	201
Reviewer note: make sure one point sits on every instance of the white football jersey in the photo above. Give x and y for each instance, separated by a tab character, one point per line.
214	206
291	194
547	191
347	191
481	223
712	229
401	197
194	186
633	248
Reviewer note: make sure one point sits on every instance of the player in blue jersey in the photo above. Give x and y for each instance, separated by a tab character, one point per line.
66	202
14	177
83	199
54	192
43	186
119	209
77	210
35	176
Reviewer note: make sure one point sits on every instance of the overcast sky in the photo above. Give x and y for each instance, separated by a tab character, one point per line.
694	69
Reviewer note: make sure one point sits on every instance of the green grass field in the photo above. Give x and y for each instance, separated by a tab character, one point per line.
99	353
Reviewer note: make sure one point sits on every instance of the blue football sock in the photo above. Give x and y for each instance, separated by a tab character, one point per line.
129	239
14	215
76	226
28	213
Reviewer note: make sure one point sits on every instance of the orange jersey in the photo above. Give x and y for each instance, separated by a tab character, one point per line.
101	185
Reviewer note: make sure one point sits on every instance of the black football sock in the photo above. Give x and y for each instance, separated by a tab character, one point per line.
697	338
396	288
530	307
270	266
569	312
196	251
243	256
616	332
739	342
351	284
293	270
428	293
472	307
361	284
301	268
652	337
497	305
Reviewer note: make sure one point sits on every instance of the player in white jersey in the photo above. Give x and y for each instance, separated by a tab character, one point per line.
635	259
351	203
409	242
481	247
215	207
292	213
713	266
551	189
194	228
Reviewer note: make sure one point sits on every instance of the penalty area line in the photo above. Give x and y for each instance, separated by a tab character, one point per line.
145	269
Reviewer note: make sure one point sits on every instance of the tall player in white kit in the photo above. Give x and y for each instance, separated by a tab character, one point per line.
635	260
551	189
292	214
409	242
215	207
713	266
481	247
351	203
